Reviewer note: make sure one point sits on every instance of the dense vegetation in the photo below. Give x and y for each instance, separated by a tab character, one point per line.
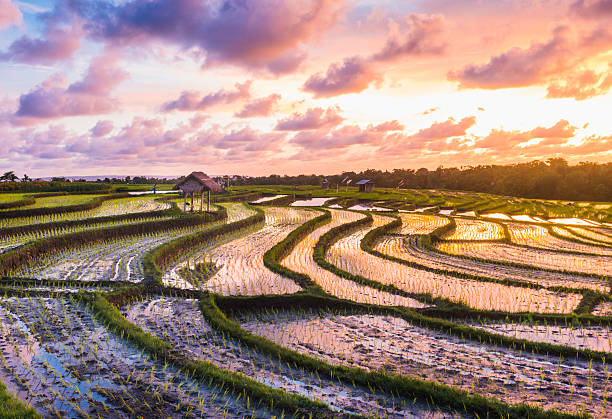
553	179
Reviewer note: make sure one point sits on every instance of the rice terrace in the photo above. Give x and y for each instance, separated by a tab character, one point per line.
307	209
301	301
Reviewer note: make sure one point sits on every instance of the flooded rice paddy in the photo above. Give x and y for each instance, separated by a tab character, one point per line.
396	346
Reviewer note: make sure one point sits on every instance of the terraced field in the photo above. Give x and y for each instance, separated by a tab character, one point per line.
135	308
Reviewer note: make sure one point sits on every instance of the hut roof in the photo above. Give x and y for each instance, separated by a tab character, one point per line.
364	181
204	180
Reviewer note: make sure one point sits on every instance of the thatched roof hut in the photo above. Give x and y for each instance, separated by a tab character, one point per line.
197	182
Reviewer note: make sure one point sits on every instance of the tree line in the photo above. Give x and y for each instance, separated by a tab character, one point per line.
550	179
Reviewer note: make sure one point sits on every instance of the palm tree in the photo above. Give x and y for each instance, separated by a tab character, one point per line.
10	176
26	178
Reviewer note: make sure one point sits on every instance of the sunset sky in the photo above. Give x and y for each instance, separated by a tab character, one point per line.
255	87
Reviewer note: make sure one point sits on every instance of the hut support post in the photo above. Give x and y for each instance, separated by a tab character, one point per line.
201	200
184	201
191	201
208	204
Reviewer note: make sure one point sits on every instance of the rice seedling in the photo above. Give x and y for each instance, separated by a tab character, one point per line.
603	236
180	323
59	201
540	237
603	309
347	255
536	258
411	250
107	208
343	312
467	229
109	260
239	262
62	361
383	343
575	335
420	223
301	260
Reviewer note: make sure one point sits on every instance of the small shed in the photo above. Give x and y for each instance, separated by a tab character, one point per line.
365	185
197	182
325	184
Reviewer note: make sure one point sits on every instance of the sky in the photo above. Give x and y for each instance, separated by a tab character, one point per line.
259	87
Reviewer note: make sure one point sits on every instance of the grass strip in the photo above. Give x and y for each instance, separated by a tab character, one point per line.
273	257
63	225
408	387
36	212
202	370
372	237
158	259
13	260
11	407
429	243
17	204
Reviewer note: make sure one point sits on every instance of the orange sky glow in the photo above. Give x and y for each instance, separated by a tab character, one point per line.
256	87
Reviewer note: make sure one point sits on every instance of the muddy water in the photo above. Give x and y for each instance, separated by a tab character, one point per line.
301	260
394	345
108	208
410	249
540	237
115	260
467	229
241	270
347	254
9	243
595	338
603	309
420	223
180	322
538	258
57	357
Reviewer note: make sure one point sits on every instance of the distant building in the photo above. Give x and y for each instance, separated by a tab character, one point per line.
365	185
325	184
197	182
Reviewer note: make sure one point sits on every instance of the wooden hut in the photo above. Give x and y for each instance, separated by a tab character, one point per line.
365	185
197	182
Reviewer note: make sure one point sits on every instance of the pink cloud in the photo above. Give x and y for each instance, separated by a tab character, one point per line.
314	118
286	63
250	33
57	44
430	110
433	138
102	76
387	126
343	137
90	96
592	8
422	38
9	14
505	140
443	130
102	128
352	75
520	67
355	74
580	85
259	107
193	101
541	63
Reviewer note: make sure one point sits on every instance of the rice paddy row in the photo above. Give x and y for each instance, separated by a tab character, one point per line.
51	362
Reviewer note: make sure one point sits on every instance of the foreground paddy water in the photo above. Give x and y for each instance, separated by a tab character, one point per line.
57	357
61	360
394	345
180	322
